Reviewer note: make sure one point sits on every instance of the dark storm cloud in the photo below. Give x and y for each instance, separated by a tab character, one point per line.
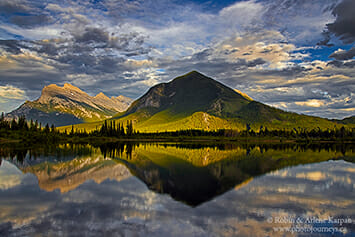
202	55
343	55
93	51
255	62
49	47
90	64
93	38
25	14
299	18
341	64
344	25
30	21
326	39
13	6
11	46
93	35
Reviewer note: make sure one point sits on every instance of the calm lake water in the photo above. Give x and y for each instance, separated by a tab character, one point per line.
169	189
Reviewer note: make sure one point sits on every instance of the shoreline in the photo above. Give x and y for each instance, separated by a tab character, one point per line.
98	140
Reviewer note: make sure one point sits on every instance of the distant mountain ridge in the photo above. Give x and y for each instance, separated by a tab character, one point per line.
69	105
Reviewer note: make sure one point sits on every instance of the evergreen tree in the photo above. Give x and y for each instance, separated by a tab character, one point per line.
46	128
52	128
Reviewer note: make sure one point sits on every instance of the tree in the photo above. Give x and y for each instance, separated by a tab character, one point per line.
52	128
22	124
129	128
14	125
72	130
46	128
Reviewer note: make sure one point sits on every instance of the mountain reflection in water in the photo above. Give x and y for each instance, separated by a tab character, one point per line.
213	190
190	173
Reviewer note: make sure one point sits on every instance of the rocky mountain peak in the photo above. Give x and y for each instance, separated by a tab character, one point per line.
68	86
101	96
68	104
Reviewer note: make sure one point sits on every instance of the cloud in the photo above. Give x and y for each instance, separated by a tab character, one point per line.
341	54
240	54
29	71
93	35
11	46
14	6
325	106
242	14
23	13
30	21
263	45
11	92
302	21
344	24
10	97
342	64
91	50
310	103
132	63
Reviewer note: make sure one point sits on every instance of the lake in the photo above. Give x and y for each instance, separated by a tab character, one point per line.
177	189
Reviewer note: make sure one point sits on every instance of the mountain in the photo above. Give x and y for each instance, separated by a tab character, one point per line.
195	101
199	102
188	94
69	105
348	120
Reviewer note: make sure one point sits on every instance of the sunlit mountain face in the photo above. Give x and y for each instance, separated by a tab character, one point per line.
294	55
68	105
192	189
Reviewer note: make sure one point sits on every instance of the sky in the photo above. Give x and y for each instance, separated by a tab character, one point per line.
296	55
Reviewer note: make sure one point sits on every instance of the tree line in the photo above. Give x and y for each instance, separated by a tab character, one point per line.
20	128
299	133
